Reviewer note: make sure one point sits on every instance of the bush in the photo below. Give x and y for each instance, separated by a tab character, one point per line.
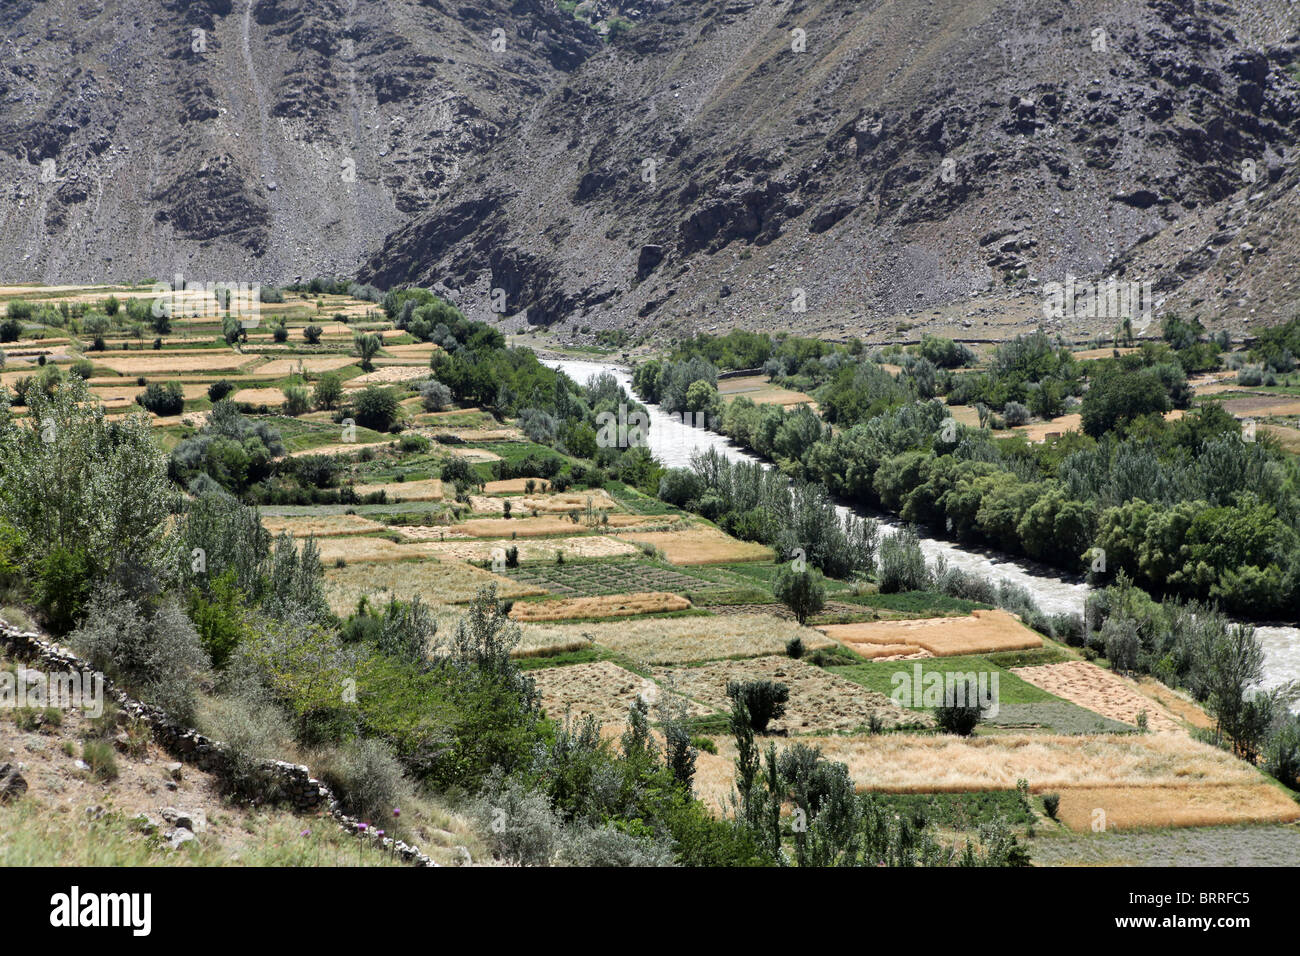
678	486
1016	414
280	334
329	391
435	395
219	390
162	399
413	443
99	755
82	368
376	407
801	591
367	779
11	330
296	401
312	334
902	564
961	709
794	648
1051	803
764	701
154	651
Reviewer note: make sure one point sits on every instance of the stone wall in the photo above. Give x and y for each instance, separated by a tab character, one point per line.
274	780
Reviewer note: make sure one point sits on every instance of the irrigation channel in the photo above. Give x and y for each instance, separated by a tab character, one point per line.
673	442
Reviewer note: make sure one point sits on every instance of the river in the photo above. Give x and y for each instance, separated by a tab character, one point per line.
673	443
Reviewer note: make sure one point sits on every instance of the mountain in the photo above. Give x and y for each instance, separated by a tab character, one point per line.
251	139
862	167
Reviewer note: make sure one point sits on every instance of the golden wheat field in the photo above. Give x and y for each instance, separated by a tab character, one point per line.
339	448
819	702
258	396
510	486
436	582
681	639
982	632
287	366
558	504
544	527
535	549
609	605
1101	691
320	526
388	375
907	763
602	689
700	545
174	363
1126	808
428	489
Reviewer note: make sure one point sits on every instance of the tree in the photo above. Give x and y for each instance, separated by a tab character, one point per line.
376	407
312	334
764	701
367	346
801	591
1116	397
328	391
161	399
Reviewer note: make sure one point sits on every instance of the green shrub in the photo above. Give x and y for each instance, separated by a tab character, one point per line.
764	701
162	399
1051	803
367	779
99	755
219	390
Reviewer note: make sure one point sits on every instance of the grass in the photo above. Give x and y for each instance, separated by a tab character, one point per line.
910	763
879	676
437	582
924	603
593	578
960	811
677	640
613	605
699	545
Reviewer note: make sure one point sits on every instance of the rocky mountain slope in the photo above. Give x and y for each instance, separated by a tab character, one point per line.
840	166
250	139
917	154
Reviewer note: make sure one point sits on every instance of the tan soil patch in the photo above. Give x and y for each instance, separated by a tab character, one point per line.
1287	437
819	702
320	526
339	448
388	376
436	582
542	527
1087	354
1263	405
587	546
173	363
474	434
610	605
701	545
1127	808
1101	691
602	689
682	639
760	391
474	455
600	500
1041	431
258	396
981	633
329	363
518	486
908	763
967	415
429	489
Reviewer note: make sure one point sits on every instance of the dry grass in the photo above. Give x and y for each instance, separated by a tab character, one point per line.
436	582
1287	437
611	605
518	485
389	375
1262	405
602	689
544	504
981	633
543	527
586	546
819	702
173	363
339	448
1127	808
1041	431
1103	692
760	391
285	366
682	639
700	545
320	526
430	489
258	396
906	763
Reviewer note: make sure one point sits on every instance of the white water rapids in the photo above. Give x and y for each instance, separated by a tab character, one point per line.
673	443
